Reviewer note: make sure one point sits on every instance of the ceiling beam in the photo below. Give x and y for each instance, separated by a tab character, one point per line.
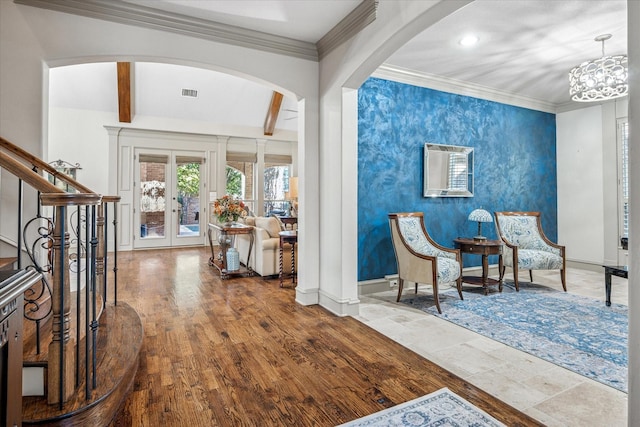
272	113
124	92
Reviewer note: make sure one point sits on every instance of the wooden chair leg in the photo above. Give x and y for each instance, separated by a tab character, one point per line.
459	286
563	279
435	297
531	275
515	277
416	288
400	286
502	270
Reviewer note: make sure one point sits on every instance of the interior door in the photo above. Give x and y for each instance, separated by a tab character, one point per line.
168	189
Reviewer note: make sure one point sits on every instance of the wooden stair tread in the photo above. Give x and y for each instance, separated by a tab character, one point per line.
7	263
120	337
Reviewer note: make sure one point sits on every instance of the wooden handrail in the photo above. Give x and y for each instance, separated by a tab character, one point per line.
70	199
27	175
25	155
111	199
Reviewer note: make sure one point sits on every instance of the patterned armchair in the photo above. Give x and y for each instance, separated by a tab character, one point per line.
419	258
526	247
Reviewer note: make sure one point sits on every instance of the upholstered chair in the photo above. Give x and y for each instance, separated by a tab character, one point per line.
419	258
526	247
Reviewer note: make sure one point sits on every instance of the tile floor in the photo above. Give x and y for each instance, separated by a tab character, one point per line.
553	395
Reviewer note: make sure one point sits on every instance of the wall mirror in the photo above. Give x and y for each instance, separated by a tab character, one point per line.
448	171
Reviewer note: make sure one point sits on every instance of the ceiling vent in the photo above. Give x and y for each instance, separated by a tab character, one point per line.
191	93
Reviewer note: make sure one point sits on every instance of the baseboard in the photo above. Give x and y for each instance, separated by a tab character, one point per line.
589	266
307	296
345	307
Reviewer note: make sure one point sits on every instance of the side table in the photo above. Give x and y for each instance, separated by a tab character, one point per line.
291	237
484	248
225	239
615	270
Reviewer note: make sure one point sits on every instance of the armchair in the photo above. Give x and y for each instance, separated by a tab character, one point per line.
526	246
419	258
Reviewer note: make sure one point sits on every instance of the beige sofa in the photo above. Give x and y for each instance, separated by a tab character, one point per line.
265	255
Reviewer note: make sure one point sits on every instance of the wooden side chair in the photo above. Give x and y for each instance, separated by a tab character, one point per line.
419	258
526	247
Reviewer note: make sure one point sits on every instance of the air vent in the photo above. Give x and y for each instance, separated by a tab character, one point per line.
191	93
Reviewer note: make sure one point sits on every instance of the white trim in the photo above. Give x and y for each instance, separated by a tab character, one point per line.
307	296
351	25
339	307
146	17
459	87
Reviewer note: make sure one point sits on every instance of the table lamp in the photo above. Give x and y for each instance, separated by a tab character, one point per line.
293	195
480	216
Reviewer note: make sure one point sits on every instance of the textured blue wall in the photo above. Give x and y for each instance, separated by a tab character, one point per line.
515	165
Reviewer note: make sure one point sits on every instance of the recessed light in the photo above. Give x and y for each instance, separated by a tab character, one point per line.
469	40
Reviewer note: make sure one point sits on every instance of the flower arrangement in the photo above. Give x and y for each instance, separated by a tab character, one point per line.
228	209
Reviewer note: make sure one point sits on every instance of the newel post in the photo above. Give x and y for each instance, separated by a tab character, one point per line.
61	367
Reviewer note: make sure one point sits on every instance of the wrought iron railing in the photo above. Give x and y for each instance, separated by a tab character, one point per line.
66	239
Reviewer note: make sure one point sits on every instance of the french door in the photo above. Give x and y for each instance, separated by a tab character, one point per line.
168	192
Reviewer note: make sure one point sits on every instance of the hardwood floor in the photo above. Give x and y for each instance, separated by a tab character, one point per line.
241	352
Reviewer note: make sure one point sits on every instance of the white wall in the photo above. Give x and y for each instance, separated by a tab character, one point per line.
78	136
587	182
580	184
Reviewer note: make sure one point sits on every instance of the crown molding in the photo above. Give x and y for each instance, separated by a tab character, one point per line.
352	24
445	84
142	16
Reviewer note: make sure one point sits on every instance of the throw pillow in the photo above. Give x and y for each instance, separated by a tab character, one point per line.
270	224
250	220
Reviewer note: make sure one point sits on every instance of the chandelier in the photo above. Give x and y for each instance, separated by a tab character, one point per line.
599	79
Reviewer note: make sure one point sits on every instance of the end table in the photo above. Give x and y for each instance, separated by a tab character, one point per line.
484	248
291	237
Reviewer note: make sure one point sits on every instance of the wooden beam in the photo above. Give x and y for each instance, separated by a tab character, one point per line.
272	113
124	92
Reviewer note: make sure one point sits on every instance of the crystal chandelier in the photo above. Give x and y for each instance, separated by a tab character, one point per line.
599	79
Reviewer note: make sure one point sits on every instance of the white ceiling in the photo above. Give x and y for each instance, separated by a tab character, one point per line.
526	48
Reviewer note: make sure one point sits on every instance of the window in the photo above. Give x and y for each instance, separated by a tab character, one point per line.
623	176
276	187
242	172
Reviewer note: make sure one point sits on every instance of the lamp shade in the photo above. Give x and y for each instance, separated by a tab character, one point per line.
480	215
293	187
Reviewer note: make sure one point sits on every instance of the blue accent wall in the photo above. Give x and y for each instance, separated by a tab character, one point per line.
515	165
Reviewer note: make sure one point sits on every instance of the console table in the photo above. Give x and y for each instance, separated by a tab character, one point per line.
615	270
225	239
484	248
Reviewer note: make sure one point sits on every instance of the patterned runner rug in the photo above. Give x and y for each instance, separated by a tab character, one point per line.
575	332
440	408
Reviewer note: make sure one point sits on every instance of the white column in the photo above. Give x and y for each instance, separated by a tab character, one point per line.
633	42
258	182
309	187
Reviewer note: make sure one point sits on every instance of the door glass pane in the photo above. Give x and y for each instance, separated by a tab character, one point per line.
188	193
153	172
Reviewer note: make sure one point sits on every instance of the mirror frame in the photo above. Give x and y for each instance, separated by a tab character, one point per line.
447	192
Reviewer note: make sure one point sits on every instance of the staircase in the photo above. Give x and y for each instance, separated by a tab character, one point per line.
80	348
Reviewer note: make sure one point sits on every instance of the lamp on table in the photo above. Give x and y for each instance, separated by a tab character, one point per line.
480	216
293	195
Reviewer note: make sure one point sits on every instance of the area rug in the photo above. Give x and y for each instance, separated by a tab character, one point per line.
577	333
440	408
